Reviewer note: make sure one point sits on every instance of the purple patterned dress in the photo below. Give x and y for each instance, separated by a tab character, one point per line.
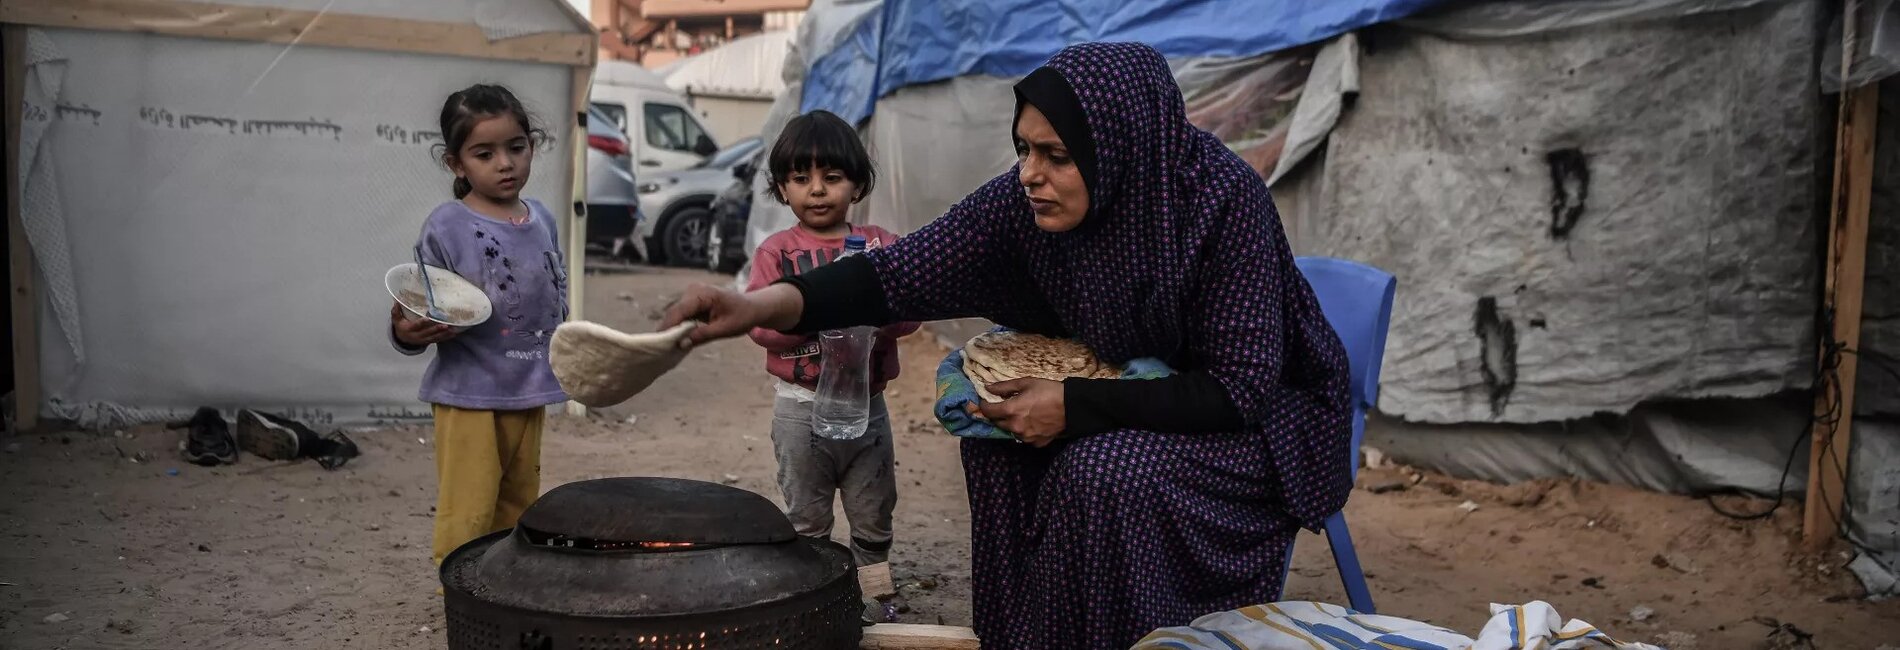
1094	542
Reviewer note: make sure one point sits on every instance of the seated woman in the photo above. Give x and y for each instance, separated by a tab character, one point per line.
1134	505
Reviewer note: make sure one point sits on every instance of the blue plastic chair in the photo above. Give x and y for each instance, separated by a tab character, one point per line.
1357	300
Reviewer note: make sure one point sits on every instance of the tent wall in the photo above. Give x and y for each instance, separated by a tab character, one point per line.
933	144
731	119
1585	220
223	212
497	29
1878	384
1689	447
1873	480
499	19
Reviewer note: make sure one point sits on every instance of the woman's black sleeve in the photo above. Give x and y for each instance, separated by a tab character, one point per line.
845	293
1192	402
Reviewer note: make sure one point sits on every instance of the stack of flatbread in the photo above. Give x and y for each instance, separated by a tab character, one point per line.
1002	356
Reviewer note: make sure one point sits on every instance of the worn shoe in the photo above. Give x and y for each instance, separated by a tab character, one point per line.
209	441
273	437
335	450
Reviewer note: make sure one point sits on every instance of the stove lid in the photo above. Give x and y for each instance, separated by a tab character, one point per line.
658	511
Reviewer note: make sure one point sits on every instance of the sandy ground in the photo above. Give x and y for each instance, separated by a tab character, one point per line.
98	535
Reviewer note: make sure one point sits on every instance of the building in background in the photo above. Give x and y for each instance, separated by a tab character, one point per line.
655	33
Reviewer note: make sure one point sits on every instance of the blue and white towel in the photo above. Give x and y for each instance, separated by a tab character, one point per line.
1304	625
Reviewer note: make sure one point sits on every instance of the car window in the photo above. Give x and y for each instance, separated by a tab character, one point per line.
670	127
615	114
733	154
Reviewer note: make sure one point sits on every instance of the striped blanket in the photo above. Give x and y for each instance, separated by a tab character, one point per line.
1318	626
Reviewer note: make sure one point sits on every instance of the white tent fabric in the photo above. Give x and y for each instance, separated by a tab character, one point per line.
628	75
212	218
499	19
751	67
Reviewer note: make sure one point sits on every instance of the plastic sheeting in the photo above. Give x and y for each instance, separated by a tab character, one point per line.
228	210
1680	447
628	75
1586	220
1873	504
751	67
1517	18
934	41
499	19
837	57
1247	103
1877	381
1876	47
933	143
1322	99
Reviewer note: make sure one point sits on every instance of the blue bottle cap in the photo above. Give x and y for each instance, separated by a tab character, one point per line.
854	242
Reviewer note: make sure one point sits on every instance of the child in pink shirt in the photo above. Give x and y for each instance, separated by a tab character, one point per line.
820	169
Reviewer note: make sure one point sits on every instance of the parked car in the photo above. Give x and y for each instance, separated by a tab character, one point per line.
664	134
732	209
613	198
678	204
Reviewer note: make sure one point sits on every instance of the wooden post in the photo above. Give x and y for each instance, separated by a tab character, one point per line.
577	211
1846	272
23	297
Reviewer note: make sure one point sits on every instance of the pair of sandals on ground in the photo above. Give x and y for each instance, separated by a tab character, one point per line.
210	441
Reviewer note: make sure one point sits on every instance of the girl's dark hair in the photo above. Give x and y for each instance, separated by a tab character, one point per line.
473	104
824	140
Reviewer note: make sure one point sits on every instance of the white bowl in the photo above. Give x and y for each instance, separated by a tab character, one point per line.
464	304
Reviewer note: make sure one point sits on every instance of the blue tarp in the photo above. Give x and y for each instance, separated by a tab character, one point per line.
934	40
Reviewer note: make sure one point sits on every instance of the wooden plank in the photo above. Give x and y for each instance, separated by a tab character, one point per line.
874	581
902	636
274	25
714	8
1846	273
24	297
580	85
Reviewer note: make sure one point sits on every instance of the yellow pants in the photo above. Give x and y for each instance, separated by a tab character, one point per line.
488	470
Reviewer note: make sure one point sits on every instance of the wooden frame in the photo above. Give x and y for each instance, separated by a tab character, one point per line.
24	297
578	51
1831	432
1846	274
581	86
274	25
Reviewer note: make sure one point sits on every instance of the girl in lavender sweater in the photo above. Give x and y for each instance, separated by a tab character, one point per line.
490	385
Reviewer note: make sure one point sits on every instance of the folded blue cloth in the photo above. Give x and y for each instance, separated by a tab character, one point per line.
955	390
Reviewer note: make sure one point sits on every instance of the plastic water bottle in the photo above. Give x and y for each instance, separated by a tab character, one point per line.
843	408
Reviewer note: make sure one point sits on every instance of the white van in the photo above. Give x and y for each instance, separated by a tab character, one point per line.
665	133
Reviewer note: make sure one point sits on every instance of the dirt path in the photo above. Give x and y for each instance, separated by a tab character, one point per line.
263	555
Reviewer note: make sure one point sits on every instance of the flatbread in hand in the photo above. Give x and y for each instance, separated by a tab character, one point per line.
1002	356
599	366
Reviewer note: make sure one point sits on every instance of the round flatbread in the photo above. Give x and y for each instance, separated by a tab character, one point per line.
1022	354
599	366
1002	356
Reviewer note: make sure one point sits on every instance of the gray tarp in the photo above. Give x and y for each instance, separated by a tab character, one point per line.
1584	220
